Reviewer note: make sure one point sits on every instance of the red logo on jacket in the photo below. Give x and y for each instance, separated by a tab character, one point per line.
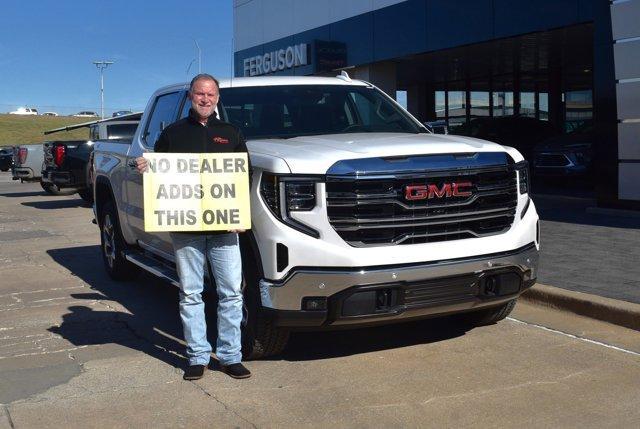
220	140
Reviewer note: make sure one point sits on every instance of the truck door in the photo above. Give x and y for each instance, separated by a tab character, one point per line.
164	112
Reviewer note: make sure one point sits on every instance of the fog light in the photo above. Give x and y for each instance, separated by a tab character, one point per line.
490	285
314	303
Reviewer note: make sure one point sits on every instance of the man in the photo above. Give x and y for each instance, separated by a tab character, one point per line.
203	132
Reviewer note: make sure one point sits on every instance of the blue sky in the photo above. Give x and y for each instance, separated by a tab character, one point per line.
47	49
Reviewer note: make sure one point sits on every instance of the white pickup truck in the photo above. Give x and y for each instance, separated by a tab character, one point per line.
360	215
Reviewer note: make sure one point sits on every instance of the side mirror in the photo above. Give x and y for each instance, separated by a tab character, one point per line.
437	127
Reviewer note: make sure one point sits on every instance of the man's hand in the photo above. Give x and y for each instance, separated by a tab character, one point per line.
237	231
142	164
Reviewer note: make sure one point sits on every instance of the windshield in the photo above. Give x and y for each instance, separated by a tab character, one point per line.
290	111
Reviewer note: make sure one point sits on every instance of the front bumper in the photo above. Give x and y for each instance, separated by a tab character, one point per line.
388	293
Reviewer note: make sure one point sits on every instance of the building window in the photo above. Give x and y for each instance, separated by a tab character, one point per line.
528	104
479	101
401	98
441	106
578	108
457	108
502	103
543	106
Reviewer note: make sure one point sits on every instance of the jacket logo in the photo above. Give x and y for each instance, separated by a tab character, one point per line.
428	192
220	140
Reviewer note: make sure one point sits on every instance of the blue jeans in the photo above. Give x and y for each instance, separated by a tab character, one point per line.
223	253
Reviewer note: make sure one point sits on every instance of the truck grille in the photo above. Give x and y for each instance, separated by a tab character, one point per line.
373	211
441	291
48	154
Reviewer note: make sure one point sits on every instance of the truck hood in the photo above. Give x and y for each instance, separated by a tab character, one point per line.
315	154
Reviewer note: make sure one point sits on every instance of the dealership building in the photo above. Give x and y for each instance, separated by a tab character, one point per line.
567	65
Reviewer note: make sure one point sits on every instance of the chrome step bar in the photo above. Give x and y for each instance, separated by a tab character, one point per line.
154	267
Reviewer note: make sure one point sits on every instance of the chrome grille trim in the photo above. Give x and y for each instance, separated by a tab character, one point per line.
370	210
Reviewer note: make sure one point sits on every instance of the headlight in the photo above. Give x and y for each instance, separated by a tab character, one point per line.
523	176
301	196
286	194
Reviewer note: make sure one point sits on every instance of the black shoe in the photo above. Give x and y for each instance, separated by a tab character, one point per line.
236	370
193	372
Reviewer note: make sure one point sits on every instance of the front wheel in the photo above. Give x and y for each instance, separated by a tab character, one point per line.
113	246
260	335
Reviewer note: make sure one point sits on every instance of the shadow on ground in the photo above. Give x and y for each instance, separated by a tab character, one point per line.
57	204
339	343
149	324
25	194
153	325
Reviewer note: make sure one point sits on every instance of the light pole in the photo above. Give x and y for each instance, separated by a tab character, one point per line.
199	56
101	65
189	67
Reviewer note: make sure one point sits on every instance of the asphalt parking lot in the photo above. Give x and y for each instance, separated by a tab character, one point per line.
79	350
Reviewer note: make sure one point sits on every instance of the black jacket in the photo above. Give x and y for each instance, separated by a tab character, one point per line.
188	135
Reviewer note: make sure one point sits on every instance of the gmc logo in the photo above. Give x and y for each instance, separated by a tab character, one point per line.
427	192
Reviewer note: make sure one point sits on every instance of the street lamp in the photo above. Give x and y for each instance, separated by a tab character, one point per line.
189	67
101	65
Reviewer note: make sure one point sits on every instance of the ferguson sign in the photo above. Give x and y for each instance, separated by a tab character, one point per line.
271	62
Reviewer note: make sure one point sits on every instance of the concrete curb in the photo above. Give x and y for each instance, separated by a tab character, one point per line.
609	310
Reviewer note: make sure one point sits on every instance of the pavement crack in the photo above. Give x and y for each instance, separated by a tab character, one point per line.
226	407
505	388
8	414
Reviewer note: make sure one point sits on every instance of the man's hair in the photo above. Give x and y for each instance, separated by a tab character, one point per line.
203	76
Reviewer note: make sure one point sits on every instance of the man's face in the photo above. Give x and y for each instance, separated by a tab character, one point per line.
204	97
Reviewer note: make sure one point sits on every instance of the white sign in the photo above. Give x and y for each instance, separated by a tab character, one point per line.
271	62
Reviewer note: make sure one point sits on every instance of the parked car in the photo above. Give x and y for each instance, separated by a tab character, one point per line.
121	113
522	133
28	162
49	114
68	164
569	154
360	215
24	111
86	114
6	158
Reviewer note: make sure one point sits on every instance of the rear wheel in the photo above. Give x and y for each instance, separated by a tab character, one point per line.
86	194
53	189
113	246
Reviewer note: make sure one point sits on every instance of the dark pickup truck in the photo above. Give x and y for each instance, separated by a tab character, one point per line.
69	164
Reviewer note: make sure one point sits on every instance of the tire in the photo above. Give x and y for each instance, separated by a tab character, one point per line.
260	336
491	315
113	246
52	189
86	194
